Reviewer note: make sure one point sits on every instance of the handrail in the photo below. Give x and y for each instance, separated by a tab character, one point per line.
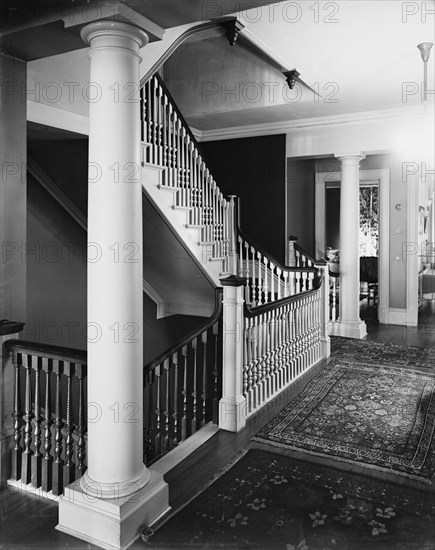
265	308
305	253
217	313
181	117
69	355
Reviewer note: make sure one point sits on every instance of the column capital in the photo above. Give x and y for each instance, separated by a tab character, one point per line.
103	34
350	156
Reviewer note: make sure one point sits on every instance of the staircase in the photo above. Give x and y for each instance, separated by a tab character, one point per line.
280	314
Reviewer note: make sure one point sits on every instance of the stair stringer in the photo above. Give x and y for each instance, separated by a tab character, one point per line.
164	198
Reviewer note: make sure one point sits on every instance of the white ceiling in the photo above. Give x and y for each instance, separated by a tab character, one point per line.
367	54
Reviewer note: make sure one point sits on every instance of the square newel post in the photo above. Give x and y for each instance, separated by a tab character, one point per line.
291	252
323	268
232	406
10	462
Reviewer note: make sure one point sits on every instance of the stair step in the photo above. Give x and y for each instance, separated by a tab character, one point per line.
178	207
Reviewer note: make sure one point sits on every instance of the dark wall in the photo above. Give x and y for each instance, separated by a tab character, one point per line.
254	169
300	202
333	217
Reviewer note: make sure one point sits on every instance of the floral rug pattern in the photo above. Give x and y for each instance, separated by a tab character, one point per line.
271	501
379	353
380	417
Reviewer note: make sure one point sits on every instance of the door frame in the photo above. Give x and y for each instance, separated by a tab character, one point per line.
381	177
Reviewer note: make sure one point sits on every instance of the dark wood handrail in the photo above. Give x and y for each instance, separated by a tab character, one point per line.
70	355
217	313
265	308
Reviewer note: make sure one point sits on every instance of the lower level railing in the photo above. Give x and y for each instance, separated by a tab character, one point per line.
182	389
49	413
183	386
282	340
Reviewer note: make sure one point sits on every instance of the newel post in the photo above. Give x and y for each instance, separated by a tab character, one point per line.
291	253
325	340
232	235
8	330
232	406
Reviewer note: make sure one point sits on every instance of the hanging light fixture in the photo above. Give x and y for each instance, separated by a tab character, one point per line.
425	48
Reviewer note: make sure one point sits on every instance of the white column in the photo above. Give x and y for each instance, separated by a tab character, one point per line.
232	406
349	323
117	492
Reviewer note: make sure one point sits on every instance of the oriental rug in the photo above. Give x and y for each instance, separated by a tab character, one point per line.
377	417
271	501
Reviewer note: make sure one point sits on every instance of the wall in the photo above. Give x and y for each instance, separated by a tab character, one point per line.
12	189
254	169
300	202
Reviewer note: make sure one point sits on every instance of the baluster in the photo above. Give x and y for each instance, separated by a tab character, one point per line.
26	466
17	415
37	455
158	411
47	462
175	412
80	371
57	481
204	379
246	361
256	347
286	284
279	282
259	281
159	96
272	281
216	374
334	299
194	393
165	150
151	451
167	411
184	394
155	127
69	467
266	281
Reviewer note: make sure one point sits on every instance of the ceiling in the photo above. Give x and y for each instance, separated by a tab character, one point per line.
358	55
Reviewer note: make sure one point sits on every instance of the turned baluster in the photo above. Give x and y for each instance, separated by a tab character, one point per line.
26	465
215	373
150	448
47	461
204	379
155	134
184	394
266	280
165	150
334	299
158	411
81	427
175	412
272	281
279	282
159	127
142	114
167	411
255	346
17	415
195	382
37	431
57	481
69	466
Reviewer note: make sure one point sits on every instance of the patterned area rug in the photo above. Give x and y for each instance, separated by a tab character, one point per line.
380	417
271	501
381	354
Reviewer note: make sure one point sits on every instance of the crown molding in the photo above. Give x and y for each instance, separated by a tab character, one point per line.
292	126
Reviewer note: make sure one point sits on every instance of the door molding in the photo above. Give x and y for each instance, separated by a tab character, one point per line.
381	177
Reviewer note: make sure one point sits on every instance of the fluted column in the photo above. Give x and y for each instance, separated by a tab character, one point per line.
117	493
349	323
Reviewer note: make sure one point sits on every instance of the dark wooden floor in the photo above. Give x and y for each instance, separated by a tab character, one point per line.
28	521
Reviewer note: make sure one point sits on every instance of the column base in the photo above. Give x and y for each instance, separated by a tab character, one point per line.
351	329
112	523
232	414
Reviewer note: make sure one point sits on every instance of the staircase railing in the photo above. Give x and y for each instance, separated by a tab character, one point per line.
182	387
49	411
282	340
170	143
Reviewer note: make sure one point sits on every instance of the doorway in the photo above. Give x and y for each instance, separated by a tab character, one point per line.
375	192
